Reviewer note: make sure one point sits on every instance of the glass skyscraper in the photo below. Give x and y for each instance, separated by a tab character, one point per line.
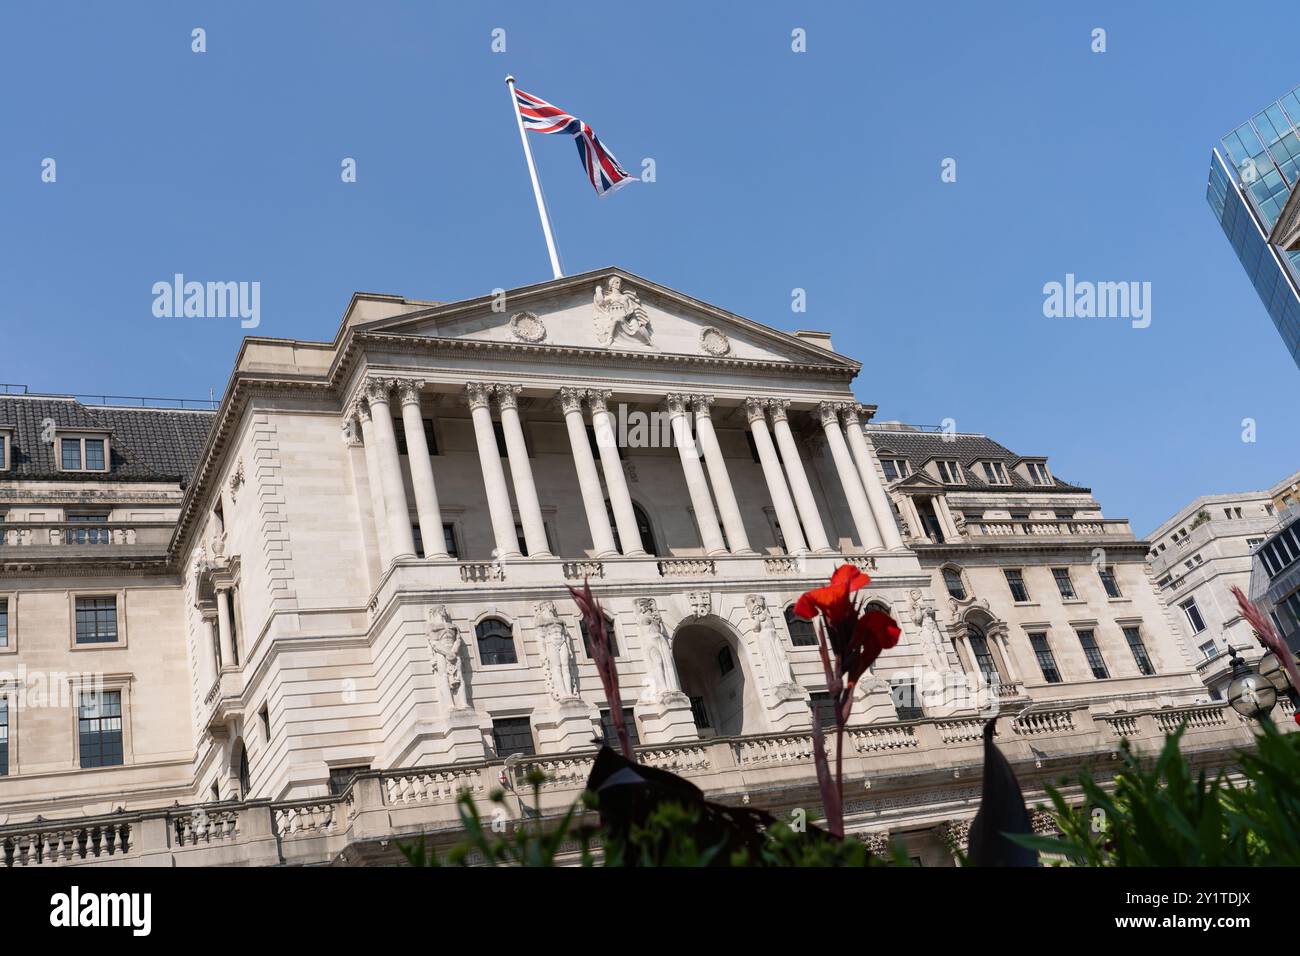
1249	183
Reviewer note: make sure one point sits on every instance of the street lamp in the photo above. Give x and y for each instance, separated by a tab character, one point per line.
1271	669
1250	693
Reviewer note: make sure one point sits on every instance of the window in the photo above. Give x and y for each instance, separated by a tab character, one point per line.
1134	638
610	736
1251	543
96	620
449	540
952	580
82	454
609	633
726	663
496	642
1038	473
1016	582
99	728
418	539
1063	583
521	541
823	708
950	472
4	736
90	535
1108	581
996	473
979	645
264	715
802	633
895	468
1046	660
1209	649
4	622
341	778
642	527
1193	615
700	714
4	451
907	702
1093	653
513	735
430	439
245	778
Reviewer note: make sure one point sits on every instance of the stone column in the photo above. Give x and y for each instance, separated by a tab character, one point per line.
390	468
723	492
868	536
521	471
212	652
620	499
696	484
370	444
756	410
225	634
799	487
877	497
944	513
478	396
417	451
593	497
913	517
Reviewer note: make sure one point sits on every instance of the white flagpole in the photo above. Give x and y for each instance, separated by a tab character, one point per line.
537	189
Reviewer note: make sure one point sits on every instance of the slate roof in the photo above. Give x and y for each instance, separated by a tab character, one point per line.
147	444
919	447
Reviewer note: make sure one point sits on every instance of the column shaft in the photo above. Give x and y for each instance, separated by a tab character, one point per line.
521	472
696	484
224	632
593	497
426	493
868	536
794	470
377	505
756	408
620	499
494	476
390	470
723	492
877	497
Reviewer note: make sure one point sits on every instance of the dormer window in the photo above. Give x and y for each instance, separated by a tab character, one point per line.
5	444
895	468
83	453
1038	473
995	473
950	472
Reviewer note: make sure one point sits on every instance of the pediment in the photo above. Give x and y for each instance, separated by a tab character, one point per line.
918	479
608	309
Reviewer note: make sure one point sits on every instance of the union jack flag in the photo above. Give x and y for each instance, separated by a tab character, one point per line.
602	168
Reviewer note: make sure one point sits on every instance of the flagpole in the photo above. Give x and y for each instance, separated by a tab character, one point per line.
537	189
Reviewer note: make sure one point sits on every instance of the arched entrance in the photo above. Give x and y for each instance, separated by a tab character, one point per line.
715	674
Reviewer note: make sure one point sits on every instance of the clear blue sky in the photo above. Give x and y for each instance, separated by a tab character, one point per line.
776	170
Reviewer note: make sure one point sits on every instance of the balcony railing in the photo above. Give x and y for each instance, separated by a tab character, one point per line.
386	807
1020	527
49	534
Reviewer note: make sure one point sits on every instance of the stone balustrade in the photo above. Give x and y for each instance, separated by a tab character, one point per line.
1019	527
143	535
383	809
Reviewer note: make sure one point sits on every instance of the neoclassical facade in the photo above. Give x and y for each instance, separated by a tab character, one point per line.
292	629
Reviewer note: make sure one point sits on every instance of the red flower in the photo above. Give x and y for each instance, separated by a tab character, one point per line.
835	604
874	632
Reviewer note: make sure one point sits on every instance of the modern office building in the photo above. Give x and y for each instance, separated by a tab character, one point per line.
1198	555
293	629
1275	580
1252	177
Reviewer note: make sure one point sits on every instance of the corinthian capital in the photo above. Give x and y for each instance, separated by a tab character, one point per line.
702	404
507	395
779	407
756	409
571	399
477	394
377	389
359	410
598	399
676	403
829	413
408	390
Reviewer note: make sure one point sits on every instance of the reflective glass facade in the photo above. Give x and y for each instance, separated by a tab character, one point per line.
1249	182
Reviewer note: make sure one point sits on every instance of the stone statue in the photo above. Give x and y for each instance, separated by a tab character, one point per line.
661	675
616	310
448	669
201	562
561	667
925	617
775	660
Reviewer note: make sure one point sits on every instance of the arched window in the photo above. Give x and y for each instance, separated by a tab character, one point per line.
979	645
496	642
952	580
609	632
802	633
642	527
245	783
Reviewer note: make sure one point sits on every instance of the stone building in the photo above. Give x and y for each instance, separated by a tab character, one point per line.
293	629
1198	555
